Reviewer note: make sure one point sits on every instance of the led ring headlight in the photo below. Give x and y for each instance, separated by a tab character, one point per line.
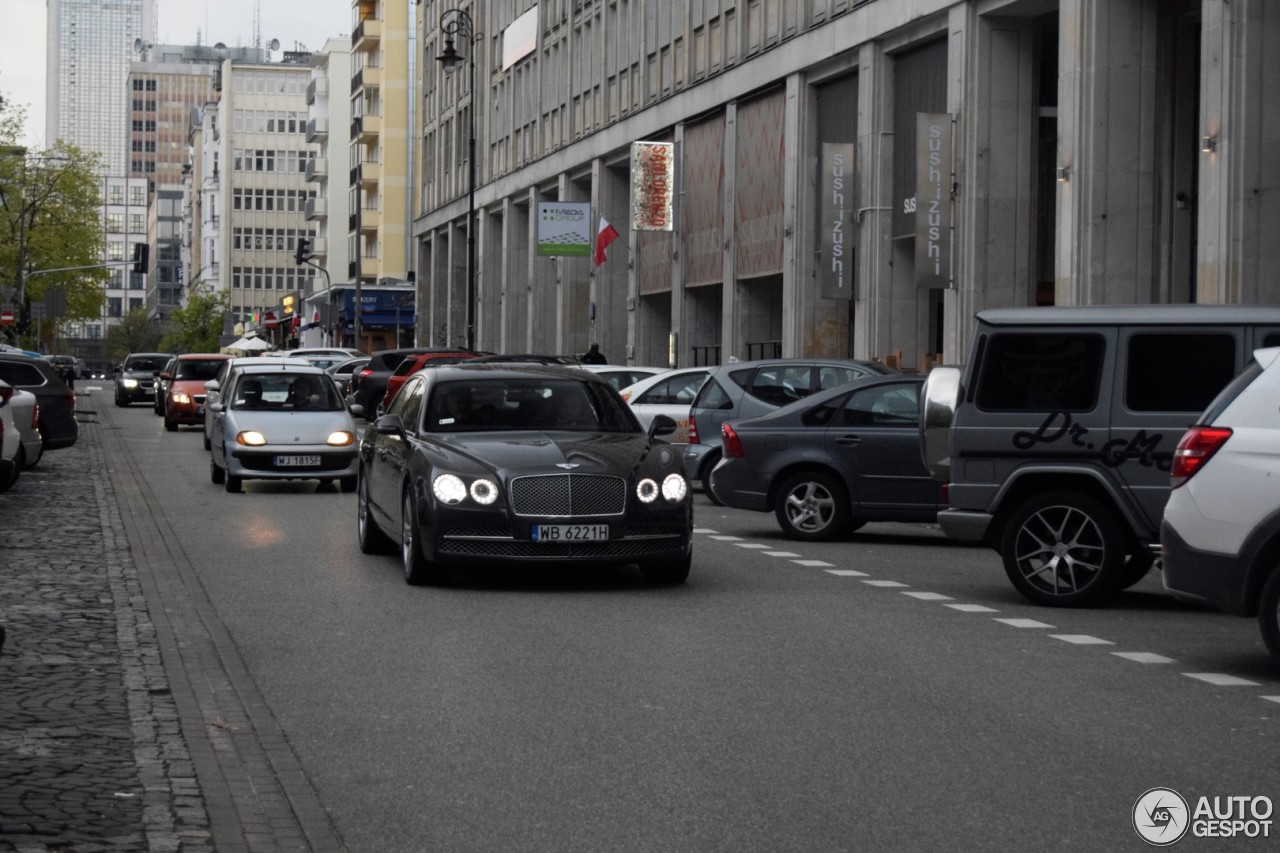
647	490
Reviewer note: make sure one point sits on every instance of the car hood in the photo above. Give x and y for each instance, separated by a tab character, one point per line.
289	427
139	374
188	386
515	453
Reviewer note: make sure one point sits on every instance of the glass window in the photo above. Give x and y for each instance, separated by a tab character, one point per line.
1041	372
781	384
884	405
830	377
1178	372
713	396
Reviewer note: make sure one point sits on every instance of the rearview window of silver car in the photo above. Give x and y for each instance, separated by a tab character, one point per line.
1041	372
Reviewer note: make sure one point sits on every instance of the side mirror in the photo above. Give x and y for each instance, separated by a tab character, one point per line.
662	425
117	369
166	376
389	425
212	385
356	410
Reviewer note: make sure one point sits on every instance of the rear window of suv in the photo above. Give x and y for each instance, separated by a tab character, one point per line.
1178	372
1041	372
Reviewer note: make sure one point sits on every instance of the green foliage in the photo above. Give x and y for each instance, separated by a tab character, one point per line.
50	218
197	325
134	333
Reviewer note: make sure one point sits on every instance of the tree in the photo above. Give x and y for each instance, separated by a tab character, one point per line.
196	326
50	218
134	333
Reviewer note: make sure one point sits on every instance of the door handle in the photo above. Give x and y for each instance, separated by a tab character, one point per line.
849	440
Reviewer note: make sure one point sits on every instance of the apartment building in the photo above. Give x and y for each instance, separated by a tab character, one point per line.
847	177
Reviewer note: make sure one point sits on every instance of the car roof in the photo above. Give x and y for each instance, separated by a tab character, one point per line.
1130	315
190	356
150	354
771	362
280	366
512	370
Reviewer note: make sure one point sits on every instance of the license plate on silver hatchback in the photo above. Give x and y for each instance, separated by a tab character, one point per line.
570	532
297	461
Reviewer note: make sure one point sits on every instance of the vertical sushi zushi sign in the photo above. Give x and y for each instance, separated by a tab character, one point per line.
934	177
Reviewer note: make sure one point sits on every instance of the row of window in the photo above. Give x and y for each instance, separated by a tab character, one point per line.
292	201
114	223
138	85
266	239
269	160
268	121
137	195
270	278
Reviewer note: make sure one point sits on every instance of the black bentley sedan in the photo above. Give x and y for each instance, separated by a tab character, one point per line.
480	464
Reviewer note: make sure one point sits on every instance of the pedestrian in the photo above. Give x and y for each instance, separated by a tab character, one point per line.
594	356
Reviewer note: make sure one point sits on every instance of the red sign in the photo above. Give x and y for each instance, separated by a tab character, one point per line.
6	318
270	321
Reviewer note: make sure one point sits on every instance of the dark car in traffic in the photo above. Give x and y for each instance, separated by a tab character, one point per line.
483	464
369	384
136	377
57	420
830	463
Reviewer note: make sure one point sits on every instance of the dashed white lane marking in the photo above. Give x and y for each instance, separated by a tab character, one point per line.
1144	657
703	530
846	573
887	584
724	538
1082	640
929	596
780	553
1024	623
1221	679
813	563
973	608
1272	698
751	545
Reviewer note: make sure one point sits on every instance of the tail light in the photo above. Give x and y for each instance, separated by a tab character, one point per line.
732	447
693	431
35	417
71	399
1196	448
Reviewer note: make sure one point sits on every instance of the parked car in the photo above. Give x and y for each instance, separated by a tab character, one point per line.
369	384
67	367
281	421
162	384
829	463
1220	535
136	377
483	464
748	389
1057	437
342	372
622	375
26	416
185	380
58	425
671	393
411	365
324	357
10	441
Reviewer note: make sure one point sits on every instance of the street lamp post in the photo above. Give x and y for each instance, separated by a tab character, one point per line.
458	22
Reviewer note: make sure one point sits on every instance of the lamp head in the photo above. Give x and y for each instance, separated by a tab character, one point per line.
450	59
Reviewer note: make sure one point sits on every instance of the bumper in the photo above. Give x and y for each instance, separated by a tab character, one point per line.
739	486
1205	577
261	463
964	525
189	414
695	457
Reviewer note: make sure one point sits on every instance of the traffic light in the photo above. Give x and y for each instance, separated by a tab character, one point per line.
141	257
303	252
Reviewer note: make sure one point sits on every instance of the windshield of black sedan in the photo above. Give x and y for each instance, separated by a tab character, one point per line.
535	402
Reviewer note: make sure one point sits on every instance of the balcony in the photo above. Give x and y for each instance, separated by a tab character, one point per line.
369	77
369	219
315	208
317	128
369	174
319	246
317	88
317	169
366	128
367	34
369	267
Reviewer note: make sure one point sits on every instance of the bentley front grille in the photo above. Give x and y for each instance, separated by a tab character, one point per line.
567	495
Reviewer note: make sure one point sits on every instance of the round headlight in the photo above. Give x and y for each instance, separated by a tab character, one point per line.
339	438
251	437
647	490
484	492
449	489
675	487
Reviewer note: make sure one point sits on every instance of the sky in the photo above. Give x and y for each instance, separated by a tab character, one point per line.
309	23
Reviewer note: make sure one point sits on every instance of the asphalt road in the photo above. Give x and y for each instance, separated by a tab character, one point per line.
865	694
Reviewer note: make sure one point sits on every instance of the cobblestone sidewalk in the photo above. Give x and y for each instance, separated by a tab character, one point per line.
91	755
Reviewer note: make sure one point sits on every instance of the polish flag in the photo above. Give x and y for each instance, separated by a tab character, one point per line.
606	235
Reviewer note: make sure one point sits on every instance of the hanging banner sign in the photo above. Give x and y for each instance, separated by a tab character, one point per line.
933	199
835	228
564	229
653	178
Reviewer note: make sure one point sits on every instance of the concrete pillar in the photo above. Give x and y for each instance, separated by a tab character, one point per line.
732	341
873	219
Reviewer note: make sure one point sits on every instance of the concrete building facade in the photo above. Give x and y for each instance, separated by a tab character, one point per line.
851	178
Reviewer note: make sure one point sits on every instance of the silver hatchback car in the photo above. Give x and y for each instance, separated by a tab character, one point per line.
281	421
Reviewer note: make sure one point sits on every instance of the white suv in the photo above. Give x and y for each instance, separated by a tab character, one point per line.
1220	535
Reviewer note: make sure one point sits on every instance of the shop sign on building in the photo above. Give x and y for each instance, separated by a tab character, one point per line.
933	199
564	229
835	263
653	171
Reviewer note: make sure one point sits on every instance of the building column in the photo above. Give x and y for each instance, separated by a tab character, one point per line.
873	220
731	333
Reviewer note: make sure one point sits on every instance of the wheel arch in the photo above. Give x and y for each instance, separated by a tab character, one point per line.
1025	484
1263	548
806	466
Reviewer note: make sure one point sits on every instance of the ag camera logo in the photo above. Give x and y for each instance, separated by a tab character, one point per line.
1161	817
